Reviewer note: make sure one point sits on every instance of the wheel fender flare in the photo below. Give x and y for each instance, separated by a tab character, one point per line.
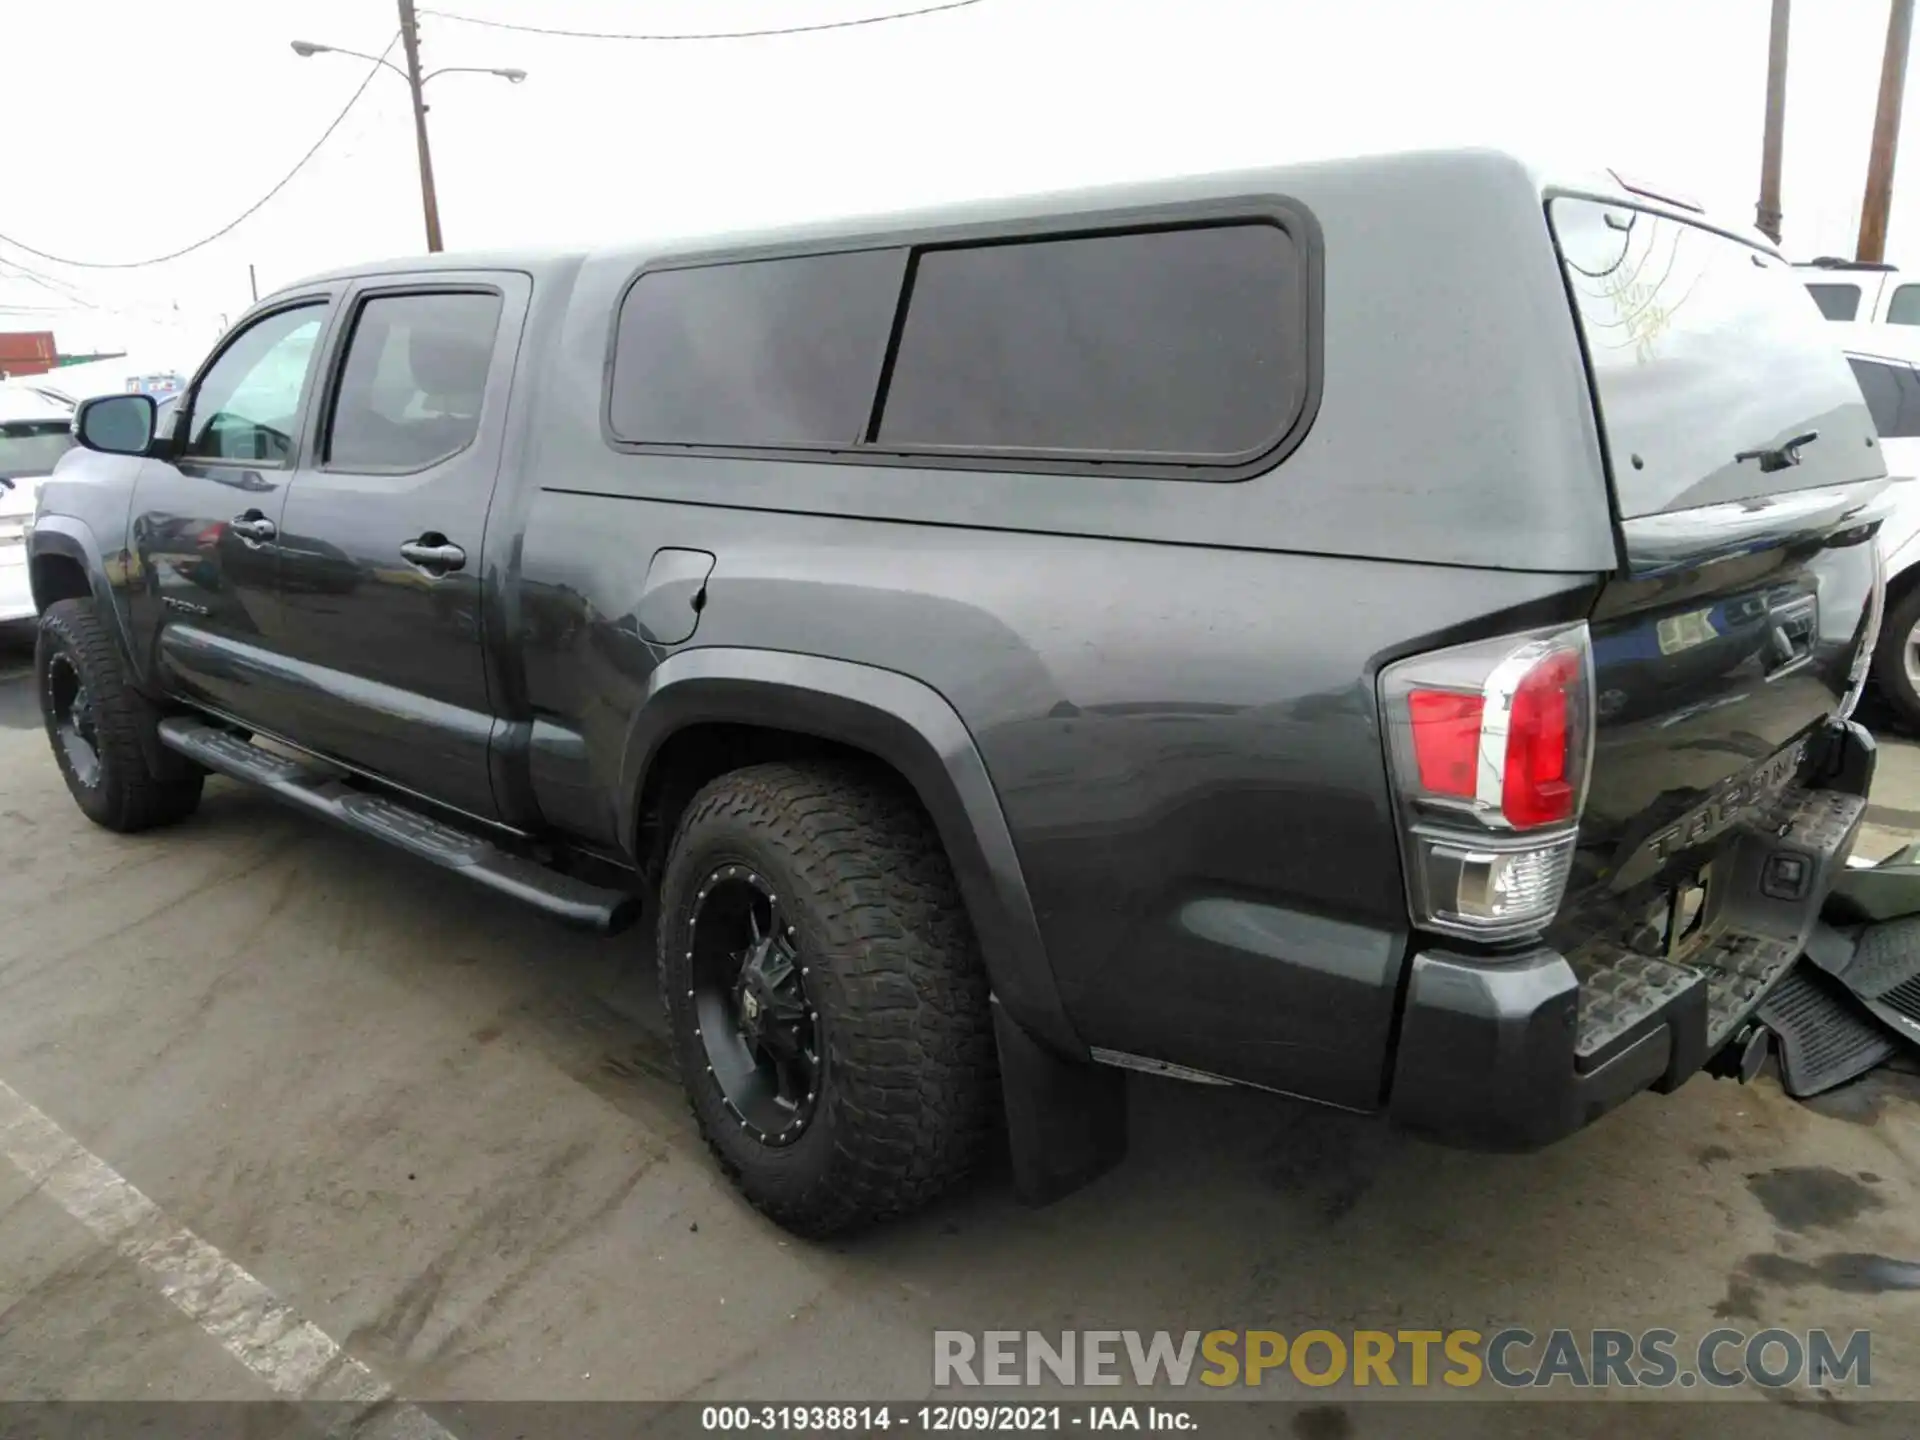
910	726
73	539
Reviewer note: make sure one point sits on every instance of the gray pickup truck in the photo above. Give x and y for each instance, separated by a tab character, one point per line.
1381	632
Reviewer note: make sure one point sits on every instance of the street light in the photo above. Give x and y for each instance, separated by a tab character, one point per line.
409	32
305	48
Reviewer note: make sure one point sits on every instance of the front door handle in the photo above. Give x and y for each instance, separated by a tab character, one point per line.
253	526
433	552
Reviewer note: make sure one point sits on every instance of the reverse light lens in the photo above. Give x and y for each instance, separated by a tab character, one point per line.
1506	890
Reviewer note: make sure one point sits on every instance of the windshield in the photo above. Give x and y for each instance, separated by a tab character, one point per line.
30	447
1716	376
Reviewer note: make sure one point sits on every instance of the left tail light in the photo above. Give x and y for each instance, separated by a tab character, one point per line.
1491	745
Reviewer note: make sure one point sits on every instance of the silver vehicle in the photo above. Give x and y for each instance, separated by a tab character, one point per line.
1886	362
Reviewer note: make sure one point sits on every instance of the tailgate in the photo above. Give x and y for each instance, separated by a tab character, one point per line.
1746	476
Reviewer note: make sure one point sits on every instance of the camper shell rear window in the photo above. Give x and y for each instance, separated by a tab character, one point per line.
1709	359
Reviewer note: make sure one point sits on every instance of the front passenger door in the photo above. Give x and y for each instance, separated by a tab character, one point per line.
381	563
204	522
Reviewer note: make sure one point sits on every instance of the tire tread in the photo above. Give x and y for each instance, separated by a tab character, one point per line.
131	796
912	1066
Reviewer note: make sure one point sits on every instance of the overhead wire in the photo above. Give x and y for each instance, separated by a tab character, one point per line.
354	99
526	29
232	224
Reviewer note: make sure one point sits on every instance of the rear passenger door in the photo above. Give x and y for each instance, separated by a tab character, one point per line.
381	544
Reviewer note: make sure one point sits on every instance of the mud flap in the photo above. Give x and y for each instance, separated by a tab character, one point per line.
1066	1119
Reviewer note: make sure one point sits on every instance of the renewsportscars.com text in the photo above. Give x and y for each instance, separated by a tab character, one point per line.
1511	1358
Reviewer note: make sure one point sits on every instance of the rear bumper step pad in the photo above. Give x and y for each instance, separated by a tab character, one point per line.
1825	1039
1624	994
572	901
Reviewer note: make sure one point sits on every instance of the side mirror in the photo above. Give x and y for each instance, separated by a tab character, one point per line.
115	424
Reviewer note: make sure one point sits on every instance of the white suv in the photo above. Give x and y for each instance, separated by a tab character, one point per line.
1860	292
1886	362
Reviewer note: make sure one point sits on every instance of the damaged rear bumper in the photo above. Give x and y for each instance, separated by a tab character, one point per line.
1516	1053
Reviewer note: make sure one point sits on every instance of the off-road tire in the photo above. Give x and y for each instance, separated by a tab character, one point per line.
127	793
1889	667
909	1095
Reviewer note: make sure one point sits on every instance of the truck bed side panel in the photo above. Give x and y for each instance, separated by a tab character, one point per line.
1187	753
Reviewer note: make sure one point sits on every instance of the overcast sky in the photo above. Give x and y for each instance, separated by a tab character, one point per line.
140	128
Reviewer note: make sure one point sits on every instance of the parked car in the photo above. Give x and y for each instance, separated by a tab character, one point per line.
1884	358
35	431
1321	629
1861	292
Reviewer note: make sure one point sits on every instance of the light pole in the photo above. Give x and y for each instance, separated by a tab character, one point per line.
416	83
1767	213
1878	201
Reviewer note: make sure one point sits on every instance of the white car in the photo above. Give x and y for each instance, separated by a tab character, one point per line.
1886	362
35	427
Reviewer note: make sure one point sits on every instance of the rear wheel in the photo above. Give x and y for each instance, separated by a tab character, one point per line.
103	730
828	1006
1896	659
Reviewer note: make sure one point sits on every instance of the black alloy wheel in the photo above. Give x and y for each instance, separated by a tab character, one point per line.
69	702
755	1022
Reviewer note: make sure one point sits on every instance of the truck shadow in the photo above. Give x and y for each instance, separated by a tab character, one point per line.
1230	1201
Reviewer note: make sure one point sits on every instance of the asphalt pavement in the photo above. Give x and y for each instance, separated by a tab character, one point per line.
284	1108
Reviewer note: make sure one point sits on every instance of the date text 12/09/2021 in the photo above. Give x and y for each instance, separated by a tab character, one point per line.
938	1419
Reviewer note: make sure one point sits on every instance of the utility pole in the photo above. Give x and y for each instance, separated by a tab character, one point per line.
1767	213
1886	136
410	38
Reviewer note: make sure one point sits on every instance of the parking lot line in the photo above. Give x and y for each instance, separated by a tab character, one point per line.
292	1355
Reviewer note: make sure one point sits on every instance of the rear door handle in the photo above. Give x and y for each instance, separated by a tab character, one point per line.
253	526
433	552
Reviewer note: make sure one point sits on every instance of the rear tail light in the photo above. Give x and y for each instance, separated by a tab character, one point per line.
1490	746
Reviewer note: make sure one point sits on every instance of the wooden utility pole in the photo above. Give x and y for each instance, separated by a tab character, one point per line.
1886	136
410	37
1767	213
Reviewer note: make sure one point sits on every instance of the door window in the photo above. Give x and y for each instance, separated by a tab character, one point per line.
246	405
413	382
1904	307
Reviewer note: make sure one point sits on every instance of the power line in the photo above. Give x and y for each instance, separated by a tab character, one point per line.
232	224
708	35
46	282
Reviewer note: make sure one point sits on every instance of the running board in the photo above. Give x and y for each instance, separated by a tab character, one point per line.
571	901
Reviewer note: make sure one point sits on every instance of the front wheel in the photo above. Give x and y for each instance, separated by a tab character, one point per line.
103	731
826	998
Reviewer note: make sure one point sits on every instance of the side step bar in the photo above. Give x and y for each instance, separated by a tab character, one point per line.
572	902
